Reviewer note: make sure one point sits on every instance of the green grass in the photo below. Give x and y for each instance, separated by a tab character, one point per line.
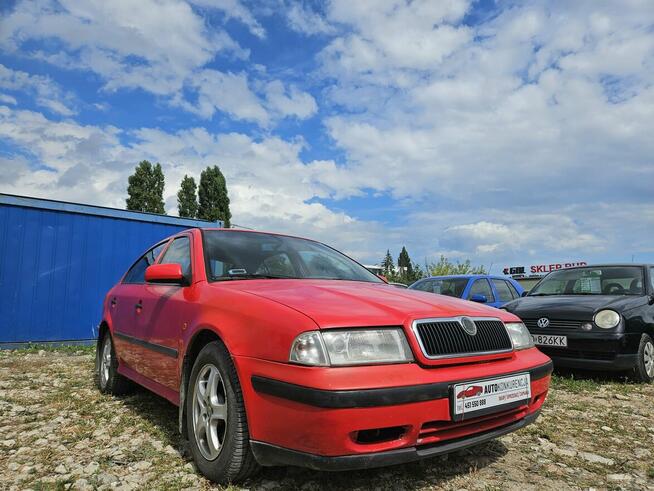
650	472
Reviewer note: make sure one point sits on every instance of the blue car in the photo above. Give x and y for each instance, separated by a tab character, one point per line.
490	290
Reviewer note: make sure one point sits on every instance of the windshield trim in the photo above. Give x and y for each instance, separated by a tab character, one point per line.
211	279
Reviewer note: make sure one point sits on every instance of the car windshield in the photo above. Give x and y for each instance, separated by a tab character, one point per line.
609	280
250	255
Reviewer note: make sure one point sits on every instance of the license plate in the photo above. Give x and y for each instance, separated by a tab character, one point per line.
479	397
549	340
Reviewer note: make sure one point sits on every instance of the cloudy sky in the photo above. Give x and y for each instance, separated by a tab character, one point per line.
505	132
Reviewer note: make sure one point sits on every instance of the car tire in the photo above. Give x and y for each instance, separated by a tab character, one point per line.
644	369
107	378
215	418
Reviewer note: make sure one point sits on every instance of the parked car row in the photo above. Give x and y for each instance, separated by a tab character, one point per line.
593	317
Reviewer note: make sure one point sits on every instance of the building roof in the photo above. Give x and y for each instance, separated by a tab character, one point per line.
103	211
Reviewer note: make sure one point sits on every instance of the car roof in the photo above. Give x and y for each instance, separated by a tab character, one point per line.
469	276
613	265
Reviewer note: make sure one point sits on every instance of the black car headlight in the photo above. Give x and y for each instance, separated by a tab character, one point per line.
606	319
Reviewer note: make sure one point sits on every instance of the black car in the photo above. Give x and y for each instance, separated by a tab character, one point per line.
595	317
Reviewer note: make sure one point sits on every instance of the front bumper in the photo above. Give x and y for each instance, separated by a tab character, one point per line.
315	417
272	455
594	350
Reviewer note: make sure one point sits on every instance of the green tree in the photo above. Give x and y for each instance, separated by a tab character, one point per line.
187	200
214	201
145	188
404	266
446	267
387	264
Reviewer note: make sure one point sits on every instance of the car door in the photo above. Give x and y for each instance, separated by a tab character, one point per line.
481	286
165	310
503	293
124	304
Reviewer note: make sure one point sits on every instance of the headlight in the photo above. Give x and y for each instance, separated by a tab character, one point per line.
606	319
520	336
351	347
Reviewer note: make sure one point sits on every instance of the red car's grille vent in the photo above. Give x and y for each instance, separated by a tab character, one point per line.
448	338
532	324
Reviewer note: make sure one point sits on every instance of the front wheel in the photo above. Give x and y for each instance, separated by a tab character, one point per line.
215	418
644	369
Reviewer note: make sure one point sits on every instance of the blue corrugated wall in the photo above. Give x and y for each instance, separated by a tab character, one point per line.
56	267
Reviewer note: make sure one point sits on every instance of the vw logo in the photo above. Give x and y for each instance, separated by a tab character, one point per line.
543	322
469	326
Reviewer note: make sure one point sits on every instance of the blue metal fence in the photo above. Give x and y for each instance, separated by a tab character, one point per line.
57	261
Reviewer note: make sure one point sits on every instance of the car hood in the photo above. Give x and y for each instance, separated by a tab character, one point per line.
570	307
333	303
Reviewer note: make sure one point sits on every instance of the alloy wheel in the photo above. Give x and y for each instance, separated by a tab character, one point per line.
209	412
105	361
648	359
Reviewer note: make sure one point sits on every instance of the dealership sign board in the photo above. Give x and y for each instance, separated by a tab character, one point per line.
541	268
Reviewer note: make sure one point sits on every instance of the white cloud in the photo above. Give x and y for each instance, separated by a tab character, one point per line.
228	92
289	101
235	10
304	20
45	92
7	99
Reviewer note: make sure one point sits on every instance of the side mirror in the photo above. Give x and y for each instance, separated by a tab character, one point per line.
524	293
383	278
165	273
650	300
476	297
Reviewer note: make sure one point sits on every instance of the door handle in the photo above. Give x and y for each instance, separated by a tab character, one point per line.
139	305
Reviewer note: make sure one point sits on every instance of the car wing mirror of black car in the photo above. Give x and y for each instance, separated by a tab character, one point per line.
525	293
650	299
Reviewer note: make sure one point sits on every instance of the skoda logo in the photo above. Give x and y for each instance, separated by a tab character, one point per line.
469	326
543	322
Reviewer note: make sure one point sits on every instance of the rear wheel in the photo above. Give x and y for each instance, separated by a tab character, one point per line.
107	378
644	369
215	418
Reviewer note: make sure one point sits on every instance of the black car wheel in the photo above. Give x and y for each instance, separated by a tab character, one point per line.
215	418
107	378
644	369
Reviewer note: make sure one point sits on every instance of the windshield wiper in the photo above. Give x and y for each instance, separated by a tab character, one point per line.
254	276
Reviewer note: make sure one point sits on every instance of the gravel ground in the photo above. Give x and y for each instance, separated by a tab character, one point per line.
58	432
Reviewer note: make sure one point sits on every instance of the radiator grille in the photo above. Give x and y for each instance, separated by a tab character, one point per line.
532	324
447	338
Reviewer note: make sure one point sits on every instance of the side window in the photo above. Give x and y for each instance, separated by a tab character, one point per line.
482	287
179	252
502	289
425	286
651	277
136	273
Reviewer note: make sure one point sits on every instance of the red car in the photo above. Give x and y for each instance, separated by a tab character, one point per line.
282	351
